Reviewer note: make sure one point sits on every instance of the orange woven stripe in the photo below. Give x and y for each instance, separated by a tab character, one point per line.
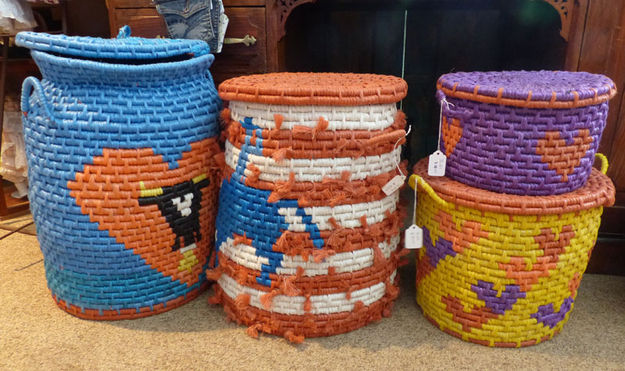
327	144
313	285
340	239
553	103
332	89
330	192
113	315
308	325
598	191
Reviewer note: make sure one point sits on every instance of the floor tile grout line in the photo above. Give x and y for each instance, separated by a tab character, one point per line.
18	230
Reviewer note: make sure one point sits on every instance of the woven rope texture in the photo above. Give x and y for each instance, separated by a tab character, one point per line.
501	278
532	89
520	150
122	48
324	89
123	187
307	241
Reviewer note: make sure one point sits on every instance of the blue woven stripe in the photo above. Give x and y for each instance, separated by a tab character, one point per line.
115	291
69	122
123	48
246	211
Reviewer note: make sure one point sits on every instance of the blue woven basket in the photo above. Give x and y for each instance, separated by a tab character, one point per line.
121	143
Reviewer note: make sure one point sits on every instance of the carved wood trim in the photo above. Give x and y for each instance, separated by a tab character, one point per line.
284	8
564	8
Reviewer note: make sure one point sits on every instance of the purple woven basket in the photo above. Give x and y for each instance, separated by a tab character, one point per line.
523	132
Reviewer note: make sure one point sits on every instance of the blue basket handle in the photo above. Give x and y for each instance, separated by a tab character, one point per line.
124	32
32	85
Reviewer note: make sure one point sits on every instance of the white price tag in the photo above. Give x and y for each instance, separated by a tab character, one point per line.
393	184
436	164
413	237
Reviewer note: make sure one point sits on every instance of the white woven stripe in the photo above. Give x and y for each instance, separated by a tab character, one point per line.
242	254
314	170
294	305
369	117
352	261
348	216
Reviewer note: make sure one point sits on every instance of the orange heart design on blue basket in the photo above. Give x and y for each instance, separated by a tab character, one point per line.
165	216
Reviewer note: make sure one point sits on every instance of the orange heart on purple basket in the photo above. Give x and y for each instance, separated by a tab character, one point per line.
451	133
163	215
562	157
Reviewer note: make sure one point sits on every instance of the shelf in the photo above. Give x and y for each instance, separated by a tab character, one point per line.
11	206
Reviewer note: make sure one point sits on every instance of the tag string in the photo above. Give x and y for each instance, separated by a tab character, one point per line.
395	147
414	206
445	103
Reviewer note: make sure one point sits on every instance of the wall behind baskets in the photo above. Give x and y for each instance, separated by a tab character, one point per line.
456	35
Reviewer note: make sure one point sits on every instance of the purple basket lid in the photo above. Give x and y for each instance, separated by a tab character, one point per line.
534	89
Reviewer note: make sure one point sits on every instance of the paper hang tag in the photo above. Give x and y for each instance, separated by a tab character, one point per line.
413	237
436	164
393	184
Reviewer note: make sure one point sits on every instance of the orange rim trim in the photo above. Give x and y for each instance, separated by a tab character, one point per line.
130	313
527	103
308	325
331	89
598	191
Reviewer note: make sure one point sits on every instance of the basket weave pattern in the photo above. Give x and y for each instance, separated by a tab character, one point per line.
519	132
499	277
307	241
521	150
122	188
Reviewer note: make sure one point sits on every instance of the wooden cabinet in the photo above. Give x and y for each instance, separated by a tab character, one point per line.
598	45
240	59
145	22
264	20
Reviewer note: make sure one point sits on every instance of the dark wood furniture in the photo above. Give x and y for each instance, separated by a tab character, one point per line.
597	44
262	19
442	36
8	204
590	36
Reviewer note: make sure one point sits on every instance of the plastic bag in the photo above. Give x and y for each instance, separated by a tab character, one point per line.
15	16
14	167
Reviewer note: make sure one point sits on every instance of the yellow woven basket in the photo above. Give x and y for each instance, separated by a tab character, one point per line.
503	270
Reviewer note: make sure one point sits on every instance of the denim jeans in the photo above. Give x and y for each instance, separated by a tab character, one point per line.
190	19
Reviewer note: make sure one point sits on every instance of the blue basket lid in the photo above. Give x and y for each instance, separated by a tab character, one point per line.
123	47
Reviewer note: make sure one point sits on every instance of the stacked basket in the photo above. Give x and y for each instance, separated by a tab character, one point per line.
306	238
121	137
509	231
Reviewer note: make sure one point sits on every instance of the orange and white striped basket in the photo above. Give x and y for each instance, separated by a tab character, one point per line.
307	240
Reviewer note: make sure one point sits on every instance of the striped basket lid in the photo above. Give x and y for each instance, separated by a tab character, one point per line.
598	191
123	47
532	89
308	88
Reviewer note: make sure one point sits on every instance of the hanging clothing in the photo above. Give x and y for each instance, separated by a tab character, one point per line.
15	16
